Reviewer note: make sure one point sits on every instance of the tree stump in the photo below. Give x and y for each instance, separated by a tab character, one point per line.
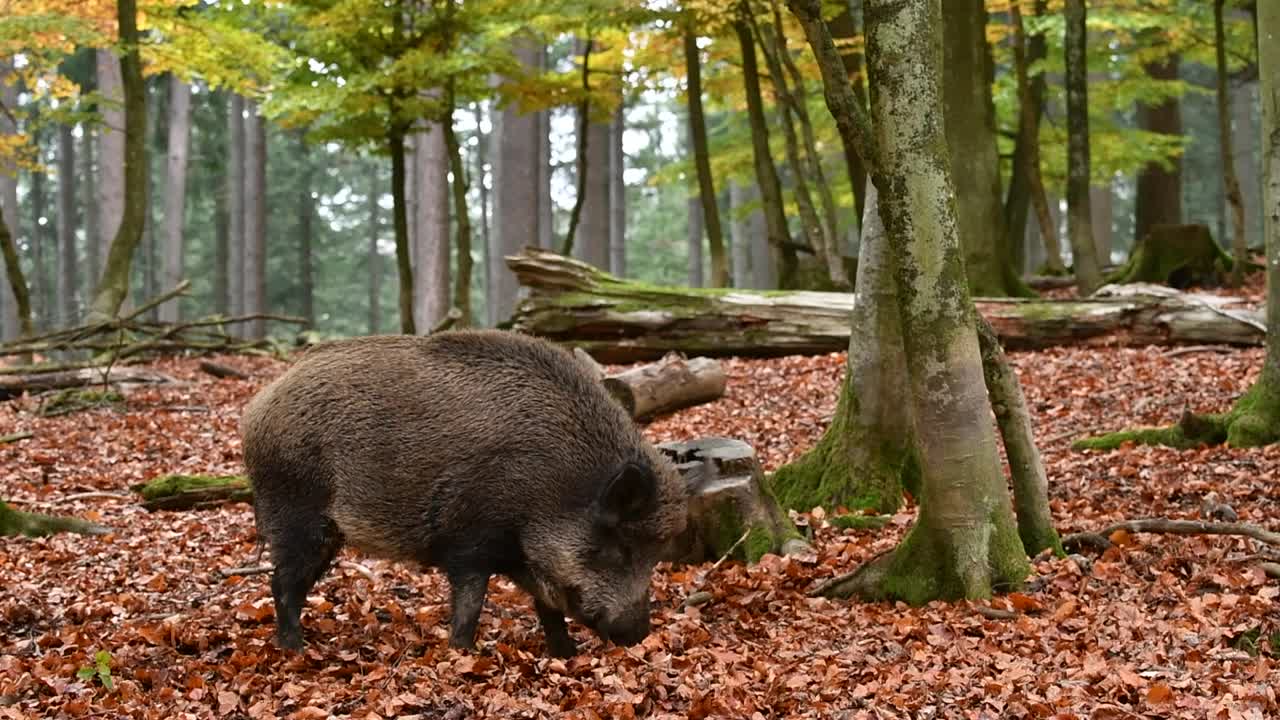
1175	255
727	504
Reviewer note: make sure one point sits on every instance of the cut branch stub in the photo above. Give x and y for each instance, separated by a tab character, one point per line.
727	503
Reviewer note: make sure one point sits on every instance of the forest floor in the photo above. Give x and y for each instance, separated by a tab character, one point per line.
1158	626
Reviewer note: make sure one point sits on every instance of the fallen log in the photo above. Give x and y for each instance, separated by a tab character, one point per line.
36	382
622	321
668	385
190	492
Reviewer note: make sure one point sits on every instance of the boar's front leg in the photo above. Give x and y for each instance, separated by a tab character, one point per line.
559	644
467	591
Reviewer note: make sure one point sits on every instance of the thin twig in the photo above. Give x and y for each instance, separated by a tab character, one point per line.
15	437
1192	349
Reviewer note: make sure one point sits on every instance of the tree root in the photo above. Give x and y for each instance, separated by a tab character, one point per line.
16	522
1101	539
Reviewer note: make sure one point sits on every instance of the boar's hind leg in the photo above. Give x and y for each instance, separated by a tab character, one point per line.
301	552
559	644
466	600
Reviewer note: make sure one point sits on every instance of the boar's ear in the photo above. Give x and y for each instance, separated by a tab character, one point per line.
631	493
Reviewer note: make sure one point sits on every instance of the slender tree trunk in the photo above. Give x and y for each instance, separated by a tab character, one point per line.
255	218
479	159
431	246
89	201
695	227
546	207
847	26
213	152
113	288
111	149
617	195
68	272
43	297
519	187
1079	215
766	173
1027	184
235	205
306	235
11	325
810	226
1239	243
702	160
461	216
866	457
17	284
834	244
1159	194
175	192
592	244
400	220
968	73
375	258
1244	111
1101	207
739	239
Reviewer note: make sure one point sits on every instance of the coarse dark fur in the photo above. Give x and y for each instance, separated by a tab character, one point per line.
477	452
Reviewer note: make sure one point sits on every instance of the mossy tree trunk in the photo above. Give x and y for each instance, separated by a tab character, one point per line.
113	286
866	457
964	543
1084	254
1030	482
971	137
1254	420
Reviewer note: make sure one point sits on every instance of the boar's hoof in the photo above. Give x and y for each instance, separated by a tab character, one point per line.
561	646
289	641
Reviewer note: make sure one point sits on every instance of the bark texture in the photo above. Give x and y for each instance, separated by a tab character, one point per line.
866	457
971	137
1084	258
1159	192
255	219
113	288
1231	183
430	284
235	205
375	257
702	160
400	221
175	191
964	543
111	141
68	218
11	323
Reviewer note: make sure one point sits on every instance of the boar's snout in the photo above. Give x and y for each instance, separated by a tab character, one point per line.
628	628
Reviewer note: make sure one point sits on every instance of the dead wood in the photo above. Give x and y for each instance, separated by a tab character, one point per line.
1101	539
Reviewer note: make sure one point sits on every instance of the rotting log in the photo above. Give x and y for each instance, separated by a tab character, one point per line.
623	321
36	382
15	522
668	385
727	504
191	492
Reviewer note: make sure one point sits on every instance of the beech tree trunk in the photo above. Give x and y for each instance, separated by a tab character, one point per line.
375	258
68	267
12	322
518	186
1239	243
866	456
306	213
17	284
175	192
400	221
971	137
739	237
617	195
111	141
235	205
702	159
1159	193
43	295
89	201
784	254
255	220
591	243
430	237
1079	216
964	543
113	288
461	217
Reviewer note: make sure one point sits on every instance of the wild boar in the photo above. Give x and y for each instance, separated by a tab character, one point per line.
475	452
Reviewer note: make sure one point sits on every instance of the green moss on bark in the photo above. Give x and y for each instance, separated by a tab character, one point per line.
14	522
1253	421
1175	255
860	522
168	485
